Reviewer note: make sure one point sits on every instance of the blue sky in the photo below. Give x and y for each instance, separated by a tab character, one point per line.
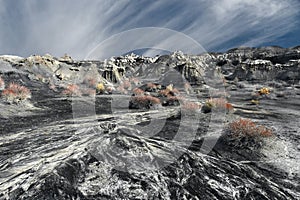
76	27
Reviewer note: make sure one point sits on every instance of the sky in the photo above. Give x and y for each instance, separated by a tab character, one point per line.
78	28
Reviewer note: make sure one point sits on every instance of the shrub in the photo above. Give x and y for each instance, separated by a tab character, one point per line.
191	106
15	93
143	101
100	88
72	89
2	84
264	91
219	103
138	91
248	128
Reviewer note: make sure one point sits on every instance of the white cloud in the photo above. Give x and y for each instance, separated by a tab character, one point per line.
75	27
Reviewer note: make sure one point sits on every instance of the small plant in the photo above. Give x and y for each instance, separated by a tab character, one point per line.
138	91
2	84
143	101
100	88
264	91
248	128
15	93
220	103
191	106
72	89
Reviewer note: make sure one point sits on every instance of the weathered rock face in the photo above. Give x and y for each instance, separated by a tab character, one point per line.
93	146
252	64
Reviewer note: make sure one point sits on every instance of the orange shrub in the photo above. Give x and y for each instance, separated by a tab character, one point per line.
246	127
15	92
72	89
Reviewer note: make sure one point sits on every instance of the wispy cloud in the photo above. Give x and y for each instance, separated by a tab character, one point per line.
75	27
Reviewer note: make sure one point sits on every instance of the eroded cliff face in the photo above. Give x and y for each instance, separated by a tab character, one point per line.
76	136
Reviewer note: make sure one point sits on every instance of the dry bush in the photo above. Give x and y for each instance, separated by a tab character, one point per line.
72	89
100	88
191	106
144	101
15	93
248	128
138	91
264	91
219	103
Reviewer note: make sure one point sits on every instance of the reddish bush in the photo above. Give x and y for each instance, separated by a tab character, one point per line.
144	101
153	100
248	128
138	91
191	106
72	89
15	93
220	103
